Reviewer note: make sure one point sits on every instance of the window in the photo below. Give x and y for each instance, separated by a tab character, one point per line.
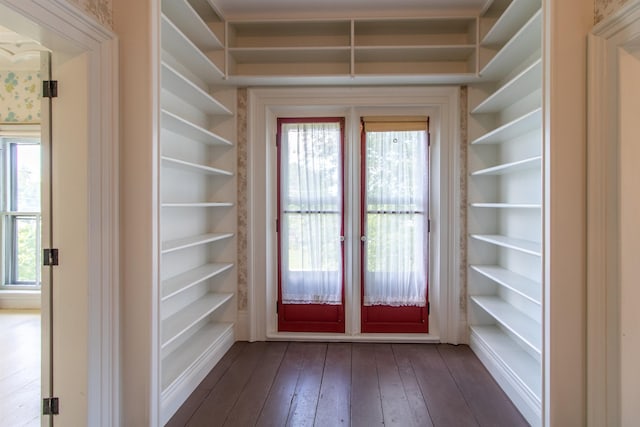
393	196
20	211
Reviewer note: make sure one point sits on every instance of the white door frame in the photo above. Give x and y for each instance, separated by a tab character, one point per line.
264	104
65	29
619	32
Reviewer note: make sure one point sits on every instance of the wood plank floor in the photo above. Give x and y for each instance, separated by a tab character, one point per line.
350	384
20	368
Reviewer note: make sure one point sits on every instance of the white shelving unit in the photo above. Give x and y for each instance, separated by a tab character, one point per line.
352	48
198	282
505	209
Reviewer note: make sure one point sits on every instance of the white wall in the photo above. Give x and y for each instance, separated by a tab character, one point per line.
629	211
566	25
137	26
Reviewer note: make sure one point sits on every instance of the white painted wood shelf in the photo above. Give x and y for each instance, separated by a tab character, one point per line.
189	242
517	166
174	163
521	245
522	367
526	123
184	51
197	205
176	83
507	205
181	322
524	286
514	90
510	21
184	281
185	17
181	361
521	46
178	125
284	55
526	329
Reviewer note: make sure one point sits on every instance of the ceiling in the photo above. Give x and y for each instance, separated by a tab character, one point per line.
253	9
18	52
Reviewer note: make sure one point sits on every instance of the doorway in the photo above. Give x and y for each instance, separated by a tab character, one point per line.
85	211
22	69
439	103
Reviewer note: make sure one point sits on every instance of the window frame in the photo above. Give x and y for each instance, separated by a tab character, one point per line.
9	214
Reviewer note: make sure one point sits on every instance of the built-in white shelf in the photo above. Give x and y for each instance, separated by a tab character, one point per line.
197	107
506	118
521	245
180	361
179	85
519	126
507	205
345	48
289	55
526	82
174	163
178	45
185	17
176	124
189	242
526	329
197	205
414	53
176	284
511	357
510	21
178	324
524	286
520	165
523	44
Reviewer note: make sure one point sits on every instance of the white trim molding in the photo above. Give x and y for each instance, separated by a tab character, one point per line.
20	299
64	28
619	32
442	104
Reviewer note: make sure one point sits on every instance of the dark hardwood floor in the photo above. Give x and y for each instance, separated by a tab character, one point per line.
357	384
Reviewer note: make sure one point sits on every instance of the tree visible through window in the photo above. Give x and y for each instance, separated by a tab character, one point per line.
20	178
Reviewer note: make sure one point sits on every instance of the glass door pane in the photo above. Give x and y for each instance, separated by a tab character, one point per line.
395	230
310	215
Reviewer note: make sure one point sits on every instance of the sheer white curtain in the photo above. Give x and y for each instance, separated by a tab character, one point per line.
311	213
396	196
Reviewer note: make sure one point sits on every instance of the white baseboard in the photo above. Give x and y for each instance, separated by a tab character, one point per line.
20	300
178	393
509	382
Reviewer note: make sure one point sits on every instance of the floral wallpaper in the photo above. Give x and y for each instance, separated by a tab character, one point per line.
604	8
241	142
19	96
464	114
100	9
